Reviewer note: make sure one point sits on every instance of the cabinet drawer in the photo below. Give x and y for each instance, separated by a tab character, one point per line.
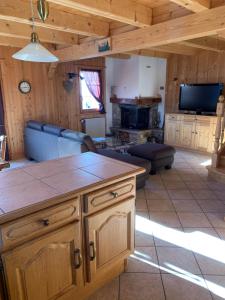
107	196
39	223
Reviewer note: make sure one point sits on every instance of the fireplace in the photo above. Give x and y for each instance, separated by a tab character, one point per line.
134	117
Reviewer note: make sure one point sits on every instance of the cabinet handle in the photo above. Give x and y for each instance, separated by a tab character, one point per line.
77	258
115	194
45	222
92	251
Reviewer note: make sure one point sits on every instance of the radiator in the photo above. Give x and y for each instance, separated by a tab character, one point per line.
95	127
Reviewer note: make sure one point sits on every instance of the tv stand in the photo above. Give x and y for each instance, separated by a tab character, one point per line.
194	132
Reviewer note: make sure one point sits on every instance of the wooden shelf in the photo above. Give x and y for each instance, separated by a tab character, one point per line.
136	101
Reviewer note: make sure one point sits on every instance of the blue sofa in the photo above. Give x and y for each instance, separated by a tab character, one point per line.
46	142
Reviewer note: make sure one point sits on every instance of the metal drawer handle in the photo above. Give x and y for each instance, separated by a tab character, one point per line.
92	251
77	258
115	194
45	222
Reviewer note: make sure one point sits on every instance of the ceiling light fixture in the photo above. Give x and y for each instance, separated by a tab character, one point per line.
34	51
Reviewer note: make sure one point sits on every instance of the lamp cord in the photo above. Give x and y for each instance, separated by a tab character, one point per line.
32	13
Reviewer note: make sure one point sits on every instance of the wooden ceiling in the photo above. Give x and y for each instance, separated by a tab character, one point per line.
136	27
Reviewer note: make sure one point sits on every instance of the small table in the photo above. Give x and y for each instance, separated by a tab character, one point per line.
4	164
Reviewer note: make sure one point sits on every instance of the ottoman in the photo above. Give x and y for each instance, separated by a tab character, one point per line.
160	155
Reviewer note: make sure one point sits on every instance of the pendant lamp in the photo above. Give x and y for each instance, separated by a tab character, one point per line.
34	51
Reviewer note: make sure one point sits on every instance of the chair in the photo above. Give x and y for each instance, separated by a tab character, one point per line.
3	162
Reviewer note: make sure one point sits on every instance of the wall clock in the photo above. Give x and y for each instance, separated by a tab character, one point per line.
24	87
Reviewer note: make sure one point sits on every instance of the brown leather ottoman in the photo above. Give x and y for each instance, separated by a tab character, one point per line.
160	155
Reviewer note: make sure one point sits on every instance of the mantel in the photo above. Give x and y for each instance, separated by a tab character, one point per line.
137	101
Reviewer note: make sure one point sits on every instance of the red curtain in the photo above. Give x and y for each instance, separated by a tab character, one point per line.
93	82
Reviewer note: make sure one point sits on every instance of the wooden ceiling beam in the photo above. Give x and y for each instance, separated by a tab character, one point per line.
194	5
12	29
206	43
177	49
150	53
206	23
19	11
125	11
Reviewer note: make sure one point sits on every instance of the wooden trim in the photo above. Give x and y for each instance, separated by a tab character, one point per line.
193	5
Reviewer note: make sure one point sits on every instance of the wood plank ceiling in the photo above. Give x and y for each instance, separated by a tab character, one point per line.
136	27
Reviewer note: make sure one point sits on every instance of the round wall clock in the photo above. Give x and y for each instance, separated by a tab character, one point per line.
24	87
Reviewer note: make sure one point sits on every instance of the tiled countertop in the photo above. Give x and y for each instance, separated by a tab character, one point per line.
24	190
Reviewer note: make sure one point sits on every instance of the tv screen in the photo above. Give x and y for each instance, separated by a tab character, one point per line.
200	97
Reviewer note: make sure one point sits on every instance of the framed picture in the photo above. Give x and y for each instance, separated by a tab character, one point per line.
104	45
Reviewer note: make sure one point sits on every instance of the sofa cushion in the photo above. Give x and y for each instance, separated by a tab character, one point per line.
73	135
53	129
87	140
35	125
152	151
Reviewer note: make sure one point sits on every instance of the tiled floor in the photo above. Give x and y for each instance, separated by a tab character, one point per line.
180	237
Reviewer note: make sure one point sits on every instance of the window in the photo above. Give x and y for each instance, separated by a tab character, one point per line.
91	90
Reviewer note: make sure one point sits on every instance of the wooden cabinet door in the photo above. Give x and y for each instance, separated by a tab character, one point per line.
187	134
110	237
172	132
46	268
202	136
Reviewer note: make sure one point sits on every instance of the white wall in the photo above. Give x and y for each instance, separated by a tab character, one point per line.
138	76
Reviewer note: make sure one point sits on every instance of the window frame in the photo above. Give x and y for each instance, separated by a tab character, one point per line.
101	75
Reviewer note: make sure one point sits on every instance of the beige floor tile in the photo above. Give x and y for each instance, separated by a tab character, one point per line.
209	231
144	260
154	185
168	237
192	178
177	185
140	193
160	205
141	286
180	194
216	285
212	205
221	232
190	287
186	206
109	292
156	195
220	195
171	177
206	194
198	185
210	266
165	218
216	186
171	258
141	204
216	219
142	214
143	240
193	220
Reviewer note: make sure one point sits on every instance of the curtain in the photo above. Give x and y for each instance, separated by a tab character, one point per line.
93	82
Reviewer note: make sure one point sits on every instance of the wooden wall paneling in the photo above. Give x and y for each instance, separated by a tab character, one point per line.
206	67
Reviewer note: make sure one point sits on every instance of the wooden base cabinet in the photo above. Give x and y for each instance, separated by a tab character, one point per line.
46	268
67	251
190	131
109	237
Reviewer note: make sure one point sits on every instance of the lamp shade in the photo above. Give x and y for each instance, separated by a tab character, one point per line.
35	52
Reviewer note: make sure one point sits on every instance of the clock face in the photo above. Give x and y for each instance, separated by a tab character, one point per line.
24	87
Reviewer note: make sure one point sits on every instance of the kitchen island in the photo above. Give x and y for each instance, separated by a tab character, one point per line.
67	226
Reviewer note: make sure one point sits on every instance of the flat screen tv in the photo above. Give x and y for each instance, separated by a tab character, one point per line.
200	98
